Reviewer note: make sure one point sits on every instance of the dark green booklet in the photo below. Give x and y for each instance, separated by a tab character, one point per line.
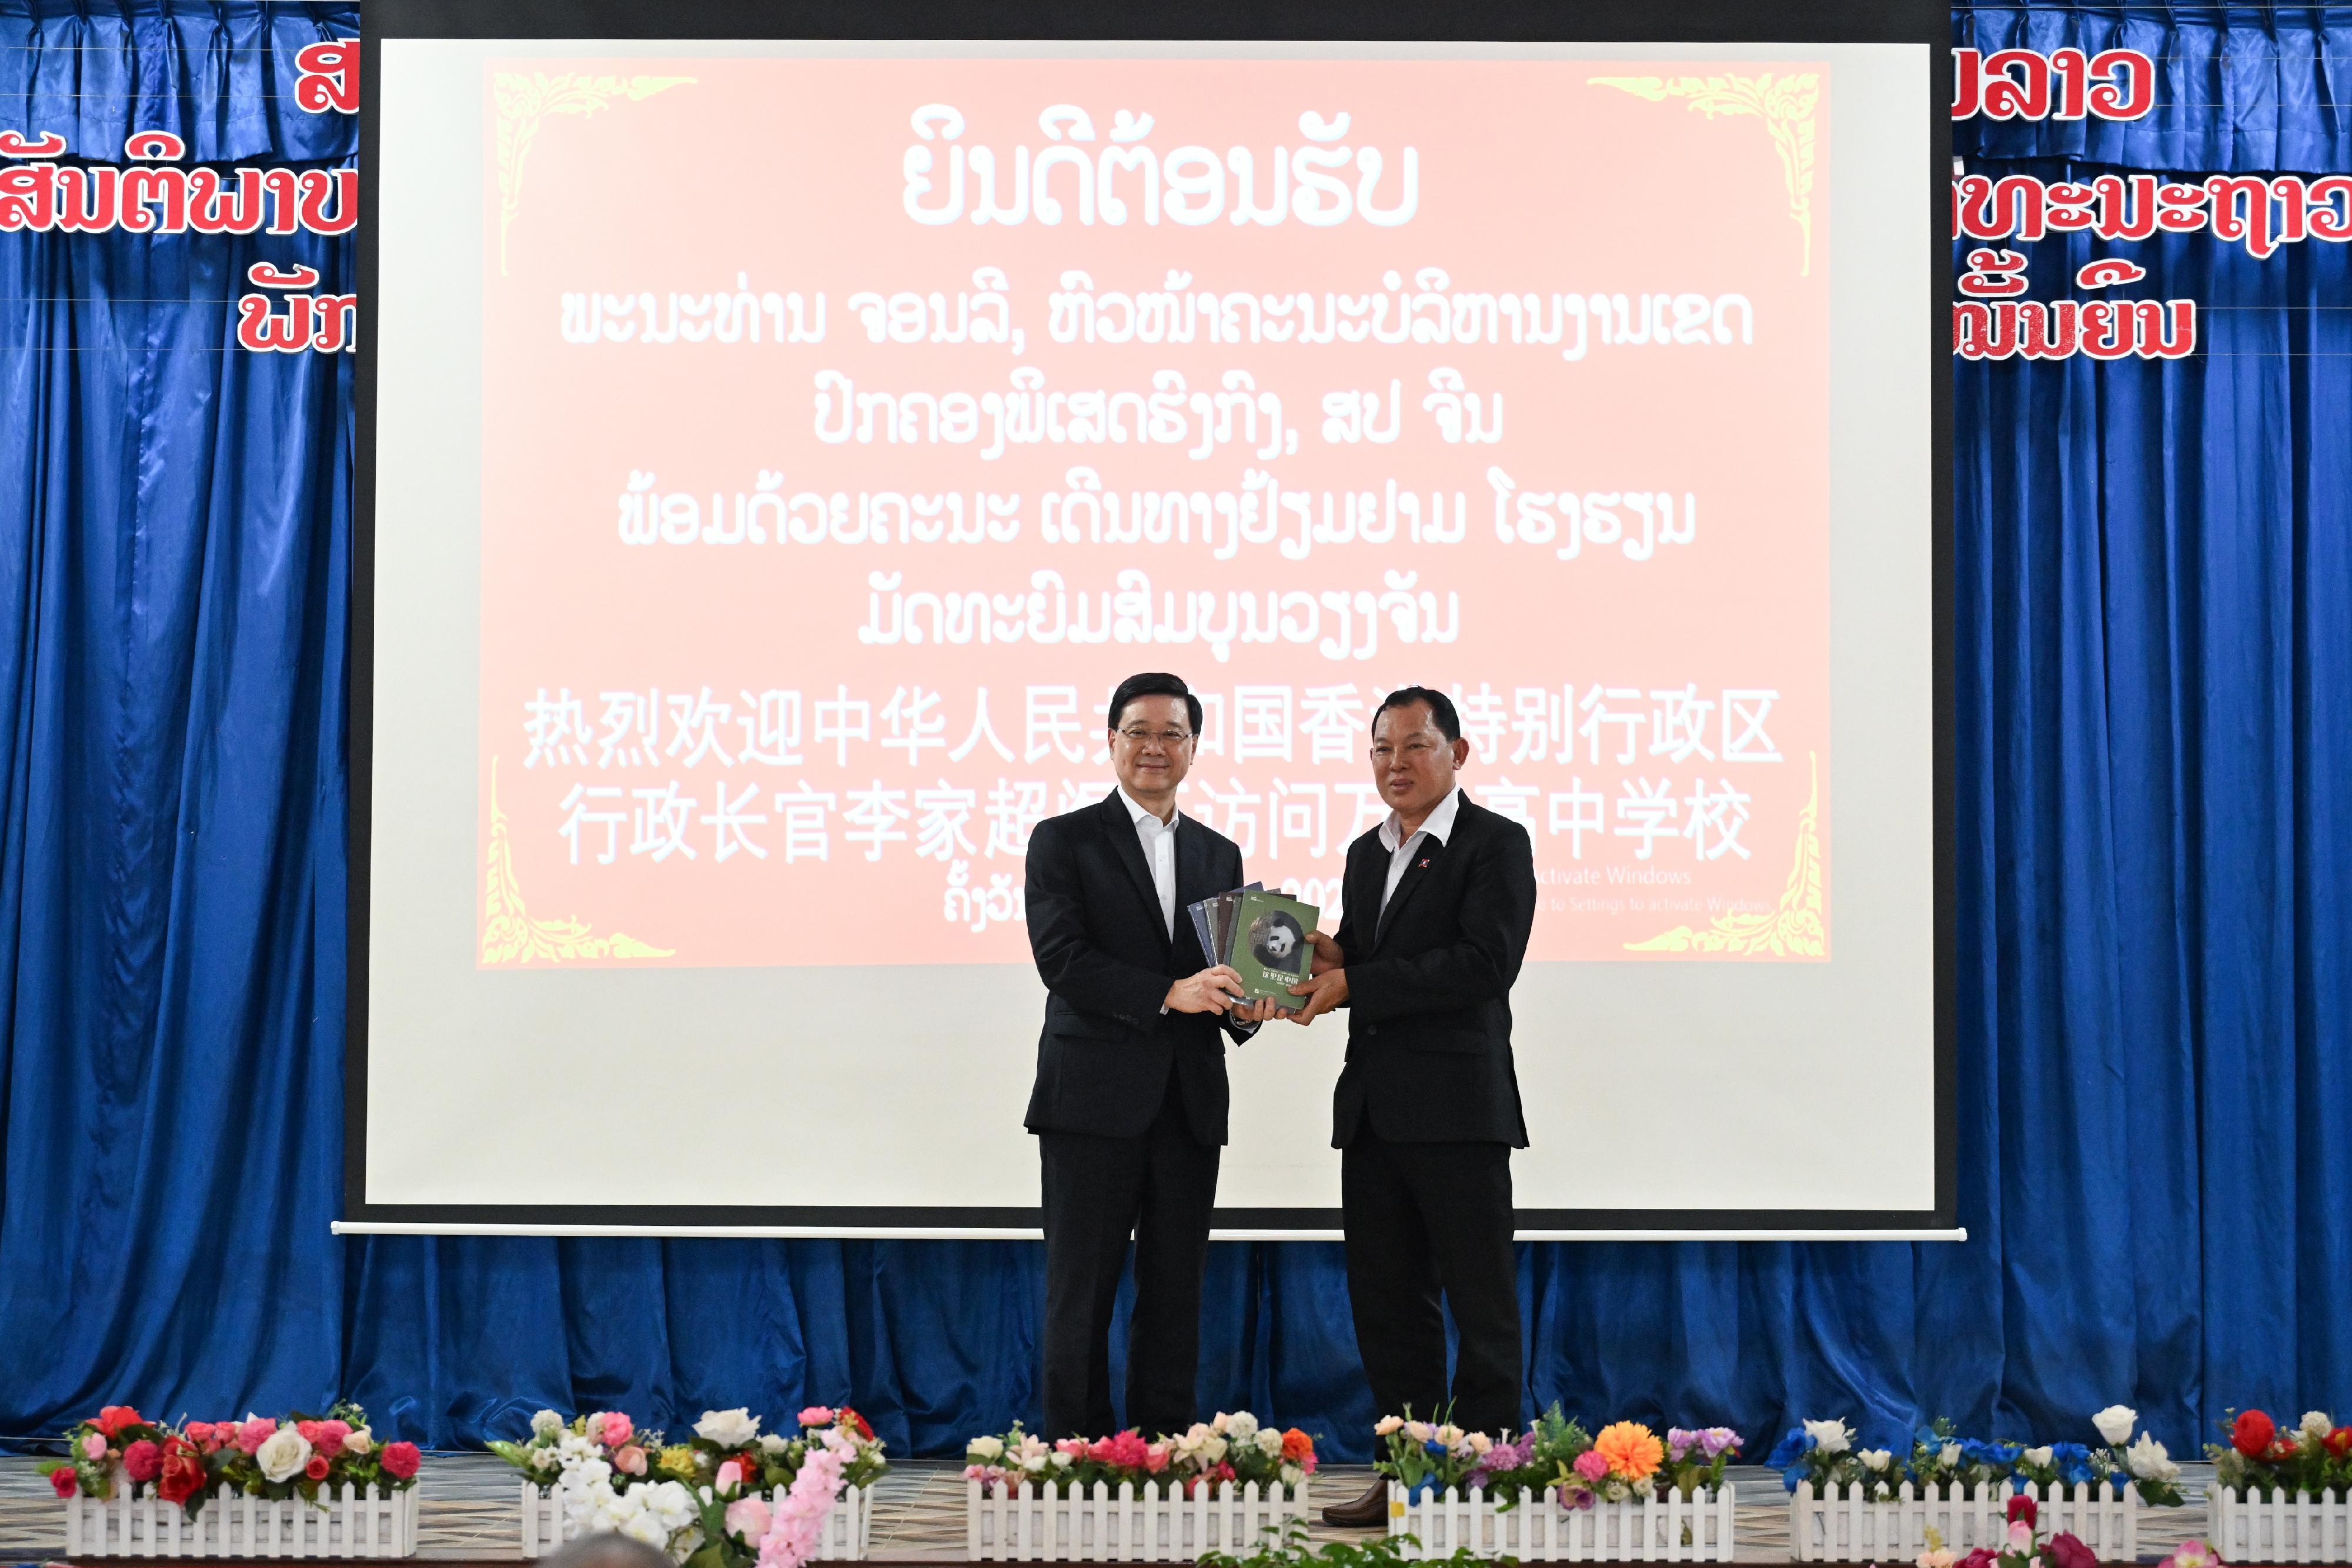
1270	950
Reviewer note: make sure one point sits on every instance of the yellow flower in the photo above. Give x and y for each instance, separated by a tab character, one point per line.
679	1460
1633	1451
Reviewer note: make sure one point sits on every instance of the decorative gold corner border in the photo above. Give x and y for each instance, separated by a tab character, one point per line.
523	101
1794	928
1785	104
509	935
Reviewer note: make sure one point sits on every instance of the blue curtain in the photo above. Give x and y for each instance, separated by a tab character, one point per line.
2155	748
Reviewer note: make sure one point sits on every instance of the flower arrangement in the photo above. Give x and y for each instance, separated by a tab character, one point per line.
261	1457
2022	1548
609	1447
1822	1453
704	1500
1625	1461
2262	1458
1234	1449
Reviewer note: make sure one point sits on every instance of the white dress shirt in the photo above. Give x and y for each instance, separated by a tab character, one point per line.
1158	841
1401	854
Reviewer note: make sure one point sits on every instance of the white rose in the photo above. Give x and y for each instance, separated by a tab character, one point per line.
361	1441
2038	1458
1830	1436
2148	1460
1219	1423
984	1449
1950	1454
282	1454
772	1444
645	1527
1292	1474
2114	1424
2315	1423
727	1429
545	1423
1241	1426
1214	1450
1269	1441
1874	1459
544	1458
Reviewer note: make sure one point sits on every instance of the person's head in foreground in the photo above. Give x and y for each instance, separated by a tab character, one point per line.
607	1549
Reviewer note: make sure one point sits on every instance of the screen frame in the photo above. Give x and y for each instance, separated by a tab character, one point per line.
1268	21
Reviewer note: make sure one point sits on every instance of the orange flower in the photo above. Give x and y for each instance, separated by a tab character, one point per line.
1633	1451
1297	1445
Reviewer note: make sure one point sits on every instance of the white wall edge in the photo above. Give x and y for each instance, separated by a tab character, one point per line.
983	1233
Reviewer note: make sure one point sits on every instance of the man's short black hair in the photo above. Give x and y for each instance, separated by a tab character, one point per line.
1155	683
1440	709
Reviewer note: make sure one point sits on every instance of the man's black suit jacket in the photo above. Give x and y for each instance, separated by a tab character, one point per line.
1107	1049
1429	985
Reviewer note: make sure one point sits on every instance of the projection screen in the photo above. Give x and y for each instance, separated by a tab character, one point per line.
775	449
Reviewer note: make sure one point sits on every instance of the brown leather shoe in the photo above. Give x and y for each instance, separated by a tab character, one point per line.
1365	1513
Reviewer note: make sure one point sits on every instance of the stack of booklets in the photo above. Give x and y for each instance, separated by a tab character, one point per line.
1261	936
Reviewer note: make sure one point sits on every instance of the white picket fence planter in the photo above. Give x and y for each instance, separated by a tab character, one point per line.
1538	1529
1007	1523
2300	1529
1834	1528
348	1522
848	1529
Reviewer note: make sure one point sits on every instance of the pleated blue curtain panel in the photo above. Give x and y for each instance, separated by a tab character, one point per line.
2154	749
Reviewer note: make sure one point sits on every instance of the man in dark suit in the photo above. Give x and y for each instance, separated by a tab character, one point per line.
1437	904
1129	1103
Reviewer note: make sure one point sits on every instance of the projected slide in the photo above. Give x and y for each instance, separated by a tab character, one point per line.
782	450
823	504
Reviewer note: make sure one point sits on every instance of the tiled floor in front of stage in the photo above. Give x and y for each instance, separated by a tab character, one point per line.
468	1510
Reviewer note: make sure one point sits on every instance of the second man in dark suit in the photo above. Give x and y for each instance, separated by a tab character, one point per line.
1130	1102
1437	905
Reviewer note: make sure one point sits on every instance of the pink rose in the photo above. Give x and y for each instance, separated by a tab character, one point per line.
1074	1447
747	1519
630	1461
254	1432
93	1447
316	1468
330	1441
400	1460
2020	1536
728	1479
1155	1459
143	1460
617	1429
817	1415
1590	1465
62	1481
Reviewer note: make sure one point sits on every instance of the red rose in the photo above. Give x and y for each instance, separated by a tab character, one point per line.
143	1460
2064	1550
2339	1441
184	1477
856	1422
400	1460
115	1418
316	1468
2251	1434
62	1482
2022	1508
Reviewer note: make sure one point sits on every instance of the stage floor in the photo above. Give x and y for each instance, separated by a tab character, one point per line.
467	1512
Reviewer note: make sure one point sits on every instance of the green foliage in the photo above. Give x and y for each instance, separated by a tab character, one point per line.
1292	1548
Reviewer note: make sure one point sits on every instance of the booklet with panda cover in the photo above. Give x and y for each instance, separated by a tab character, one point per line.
1270	950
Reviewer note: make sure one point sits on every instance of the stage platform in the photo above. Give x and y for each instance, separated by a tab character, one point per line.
467	1514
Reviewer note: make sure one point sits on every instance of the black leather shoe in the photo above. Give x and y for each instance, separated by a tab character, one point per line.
1365	1513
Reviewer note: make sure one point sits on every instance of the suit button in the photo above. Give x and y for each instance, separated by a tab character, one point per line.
1372	1029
